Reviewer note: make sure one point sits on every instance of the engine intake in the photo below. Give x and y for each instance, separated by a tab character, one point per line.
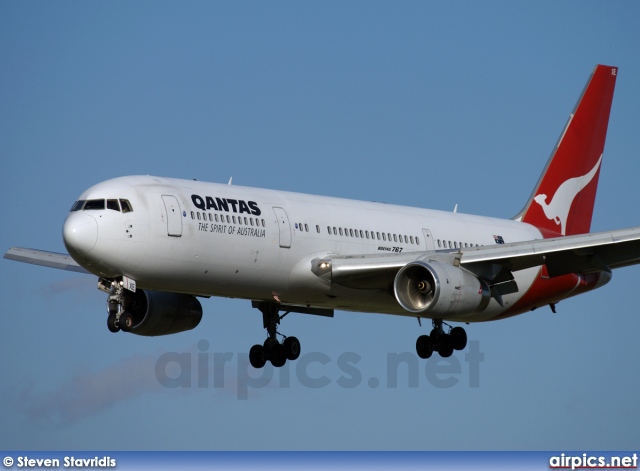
439	289
161	313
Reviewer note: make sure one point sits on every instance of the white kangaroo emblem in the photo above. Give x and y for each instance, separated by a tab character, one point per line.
558	209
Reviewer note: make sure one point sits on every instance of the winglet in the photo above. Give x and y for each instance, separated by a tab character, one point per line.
562	201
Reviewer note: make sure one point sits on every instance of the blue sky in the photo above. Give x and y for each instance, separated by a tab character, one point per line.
417	103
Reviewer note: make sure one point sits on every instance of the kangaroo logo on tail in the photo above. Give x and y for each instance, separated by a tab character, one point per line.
558	209
562	202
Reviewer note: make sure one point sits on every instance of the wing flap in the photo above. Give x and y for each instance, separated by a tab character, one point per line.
61	261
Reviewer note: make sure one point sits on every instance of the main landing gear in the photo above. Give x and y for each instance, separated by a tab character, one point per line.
272	350
441	342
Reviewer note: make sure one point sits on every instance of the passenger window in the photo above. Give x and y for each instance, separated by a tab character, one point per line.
334	231
198	214
340	229
306	227
318	229
126	206
411	238
94	205
113	204
193	216
351	232
417	241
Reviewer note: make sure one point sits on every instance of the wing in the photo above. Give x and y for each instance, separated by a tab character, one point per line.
61	261
582	254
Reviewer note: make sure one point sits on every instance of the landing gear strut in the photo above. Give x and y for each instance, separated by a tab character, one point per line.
441	342
120	307
115	304
272	350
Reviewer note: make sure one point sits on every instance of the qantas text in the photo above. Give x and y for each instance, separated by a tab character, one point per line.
226	204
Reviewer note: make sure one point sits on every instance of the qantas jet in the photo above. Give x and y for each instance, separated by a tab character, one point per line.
157	244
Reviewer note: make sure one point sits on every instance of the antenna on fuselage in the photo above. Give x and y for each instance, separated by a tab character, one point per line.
230	180
455	209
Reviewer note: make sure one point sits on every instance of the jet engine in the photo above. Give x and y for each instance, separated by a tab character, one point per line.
439	289
153	313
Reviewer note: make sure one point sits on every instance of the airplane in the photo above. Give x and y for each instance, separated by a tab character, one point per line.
158	244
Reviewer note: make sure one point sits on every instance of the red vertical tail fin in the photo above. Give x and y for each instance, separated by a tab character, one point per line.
562	201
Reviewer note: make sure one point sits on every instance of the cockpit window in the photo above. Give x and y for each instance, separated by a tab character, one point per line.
78	205
112	204
94	204
126	206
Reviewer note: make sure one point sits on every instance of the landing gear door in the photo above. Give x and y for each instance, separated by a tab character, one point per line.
428	239
283	226
174	219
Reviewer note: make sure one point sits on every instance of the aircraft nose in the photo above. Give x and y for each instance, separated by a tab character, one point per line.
80	233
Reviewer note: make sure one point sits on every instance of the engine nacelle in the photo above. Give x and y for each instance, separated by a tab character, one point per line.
439	289
161	313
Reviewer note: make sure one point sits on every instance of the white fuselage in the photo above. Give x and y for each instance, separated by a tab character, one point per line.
211	239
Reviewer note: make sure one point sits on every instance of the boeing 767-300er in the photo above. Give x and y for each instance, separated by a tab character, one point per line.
157	244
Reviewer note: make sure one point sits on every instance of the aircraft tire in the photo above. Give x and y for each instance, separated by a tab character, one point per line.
112	325
445	349
256	356
458	338
126	322
277	356
291	348
424	346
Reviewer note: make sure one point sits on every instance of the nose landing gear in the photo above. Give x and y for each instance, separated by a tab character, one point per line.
120	307
115	304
